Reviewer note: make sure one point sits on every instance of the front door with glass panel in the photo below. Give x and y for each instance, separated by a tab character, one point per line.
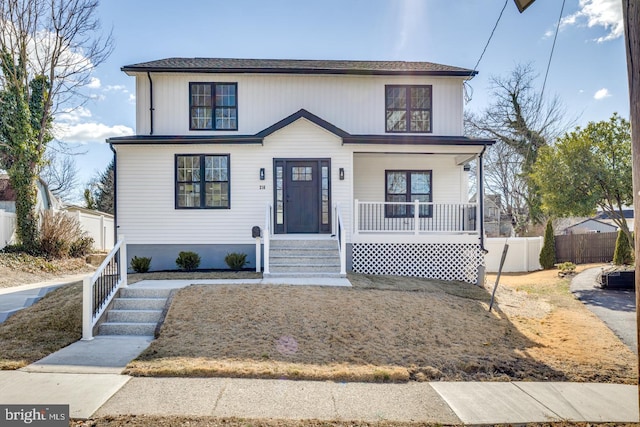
302	196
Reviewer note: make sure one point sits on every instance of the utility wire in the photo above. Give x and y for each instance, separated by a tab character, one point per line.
468	98
552	49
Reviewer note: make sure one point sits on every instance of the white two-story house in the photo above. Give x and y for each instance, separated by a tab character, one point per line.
366	158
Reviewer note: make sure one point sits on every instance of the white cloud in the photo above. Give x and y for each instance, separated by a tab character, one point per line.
132	99
89	132
97	97
599	13
94	83
601	94
120	88
73	115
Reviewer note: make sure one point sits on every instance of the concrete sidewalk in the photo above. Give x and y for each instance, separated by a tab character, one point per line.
94	395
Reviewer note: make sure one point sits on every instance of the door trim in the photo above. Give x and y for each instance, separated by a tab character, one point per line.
323	227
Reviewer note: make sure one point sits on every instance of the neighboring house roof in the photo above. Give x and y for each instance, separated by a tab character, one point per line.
6	191
581	224
298	66
258	138
627	213
45	197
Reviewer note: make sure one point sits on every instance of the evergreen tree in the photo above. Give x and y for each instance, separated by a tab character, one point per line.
622	255
548	252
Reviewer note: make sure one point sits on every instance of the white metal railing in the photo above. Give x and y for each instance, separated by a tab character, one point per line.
266	235
100	288
415	217
339	231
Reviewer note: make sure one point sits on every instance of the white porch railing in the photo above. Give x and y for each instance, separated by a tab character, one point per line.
342	243
415	218
266	235
98	290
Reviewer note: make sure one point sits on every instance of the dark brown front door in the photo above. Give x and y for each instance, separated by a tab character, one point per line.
302	202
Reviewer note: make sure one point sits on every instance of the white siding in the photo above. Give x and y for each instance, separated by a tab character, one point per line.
352	103
146	187
369	183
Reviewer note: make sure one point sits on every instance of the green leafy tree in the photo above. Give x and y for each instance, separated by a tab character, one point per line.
548	252
587	169
47	51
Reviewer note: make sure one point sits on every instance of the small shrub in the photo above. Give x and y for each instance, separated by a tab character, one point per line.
140	265
566	269
548	252
622	254
188	260
57	232
81	247
236	261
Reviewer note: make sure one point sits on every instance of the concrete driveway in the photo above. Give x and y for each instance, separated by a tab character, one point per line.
616	308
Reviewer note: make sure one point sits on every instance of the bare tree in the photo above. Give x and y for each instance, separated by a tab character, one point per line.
48	49
60	172
523	120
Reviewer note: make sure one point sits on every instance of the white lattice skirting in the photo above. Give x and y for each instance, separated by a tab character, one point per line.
444	261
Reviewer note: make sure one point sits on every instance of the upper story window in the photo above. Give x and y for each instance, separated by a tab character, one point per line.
213	106
408	108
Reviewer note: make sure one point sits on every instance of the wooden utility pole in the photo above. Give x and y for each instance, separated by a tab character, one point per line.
631	17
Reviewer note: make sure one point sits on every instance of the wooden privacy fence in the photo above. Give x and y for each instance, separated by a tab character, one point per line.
585	248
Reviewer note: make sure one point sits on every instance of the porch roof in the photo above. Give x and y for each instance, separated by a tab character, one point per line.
258	138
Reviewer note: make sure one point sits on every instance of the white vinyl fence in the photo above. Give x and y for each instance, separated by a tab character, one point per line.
7	227
97	225
523	254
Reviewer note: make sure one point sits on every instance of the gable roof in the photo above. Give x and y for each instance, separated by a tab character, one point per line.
258	138
581	223
298	66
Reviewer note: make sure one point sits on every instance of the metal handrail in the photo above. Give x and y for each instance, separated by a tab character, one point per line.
101	287
267	237
342	243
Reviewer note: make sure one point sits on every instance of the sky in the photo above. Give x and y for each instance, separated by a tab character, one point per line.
587	71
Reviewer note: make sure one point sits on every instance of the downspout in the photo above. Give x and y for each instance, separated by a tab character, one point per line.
481	197
150	104
115	194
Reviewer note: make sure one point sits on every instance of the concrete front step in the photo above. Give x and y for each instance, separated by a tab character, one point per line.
139	303
134	316
303	275
328	260
304	243
127	328
144	293
304	268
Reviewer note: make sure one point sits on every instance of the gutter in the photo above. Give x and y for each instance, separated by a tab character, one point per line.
150	104
481	197
115	193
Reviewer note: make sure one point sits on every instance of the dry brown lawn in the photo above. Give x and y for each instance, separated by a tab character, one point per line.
52	323
387	329
22	269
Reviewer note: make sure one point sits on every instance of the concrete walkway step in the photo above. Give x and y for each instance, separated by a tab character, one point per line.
127	328
139	303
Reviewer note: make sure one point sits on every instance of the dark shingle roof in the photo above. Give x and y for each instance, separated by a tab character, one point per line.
297	66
